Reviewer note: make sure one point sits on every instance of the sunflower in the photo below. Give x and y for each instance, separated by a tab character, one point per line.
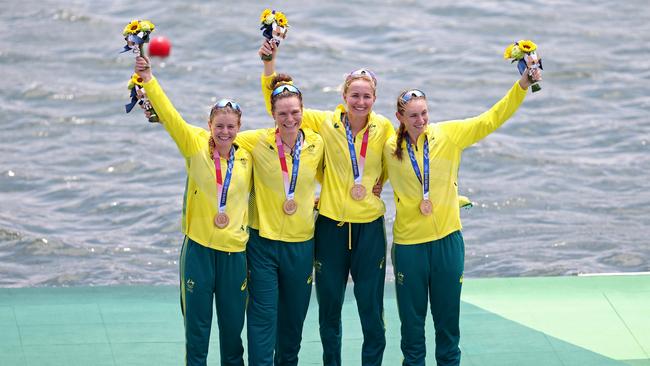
527	46
281	19
132	28
265	14
135	80
147	26
508	52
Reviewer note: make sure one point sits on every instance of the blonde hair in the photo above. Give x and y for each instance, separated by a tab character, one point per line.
352	78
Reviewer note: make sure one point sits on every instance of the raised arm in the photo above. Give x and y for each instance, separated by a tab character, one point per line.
188	138
311	118
469	131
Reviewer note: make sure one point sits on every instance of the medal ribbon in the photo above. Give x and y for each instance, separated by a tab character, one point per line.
357	166
222	185
416	168
289	187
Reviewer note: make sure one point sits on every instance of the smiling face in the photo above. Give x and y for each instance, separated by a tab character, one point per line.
224	127
287	113
415	117
359	98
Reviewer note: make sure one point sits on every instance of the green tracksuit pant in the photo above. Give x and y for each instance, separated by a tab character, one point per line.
344	249
280	281
430	272
208	274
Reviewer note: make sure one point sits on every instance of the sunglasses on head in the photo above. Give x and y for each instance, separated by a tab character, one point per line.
286	87
410	94
362	73
223	103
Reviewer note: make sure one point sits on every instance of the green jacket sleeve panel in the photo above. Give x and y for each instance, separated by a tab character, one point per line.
188	138
467	132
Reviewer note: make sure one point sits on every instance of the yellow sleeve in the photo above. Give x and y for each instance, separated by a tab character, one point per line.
466	132
265	81
320	172
188	138
248	139
314	118
390	132
390	129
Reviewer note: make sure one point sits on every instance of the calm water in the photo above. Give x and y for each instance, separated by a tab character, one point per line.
92	196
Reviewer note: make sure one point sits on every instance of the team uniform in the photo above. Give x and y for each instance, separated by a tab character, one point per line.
213	260
350	237
281	246
428	252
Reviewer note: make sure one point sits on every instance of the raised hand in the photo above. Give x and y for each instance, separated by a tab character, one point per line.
143	68
535	74
268	48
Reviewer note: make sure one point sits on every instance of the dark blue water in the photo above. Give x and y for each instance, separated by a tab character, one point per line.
90	195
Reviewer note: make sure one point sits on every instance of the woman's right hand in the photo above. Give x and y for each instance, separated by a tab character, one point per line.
268	48
143	68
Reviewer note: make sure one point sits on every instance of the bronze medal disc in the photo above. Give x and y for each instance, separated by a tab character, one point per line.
426	207
289	207
221	220
358	192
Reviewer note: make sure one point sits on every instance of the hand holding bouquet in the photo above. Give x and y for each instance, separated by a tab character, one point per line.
524	53
136	34
138	96
274	28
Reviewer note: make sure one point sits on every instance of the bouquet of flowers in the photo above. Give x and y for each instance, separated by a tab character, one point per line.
138	96
136	34
524	53
274	27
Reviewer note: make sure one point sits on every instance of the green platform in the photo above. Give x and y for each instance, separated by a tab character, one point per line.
570	321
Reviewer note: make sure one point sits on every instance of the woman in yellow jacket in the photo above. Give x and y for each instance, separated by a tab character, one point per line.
428	251
350	237
215	217
280	251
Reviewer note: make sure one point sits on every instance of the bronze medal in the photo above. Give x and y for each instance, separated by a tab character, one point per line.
289	207
358	192
221	220
426	207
